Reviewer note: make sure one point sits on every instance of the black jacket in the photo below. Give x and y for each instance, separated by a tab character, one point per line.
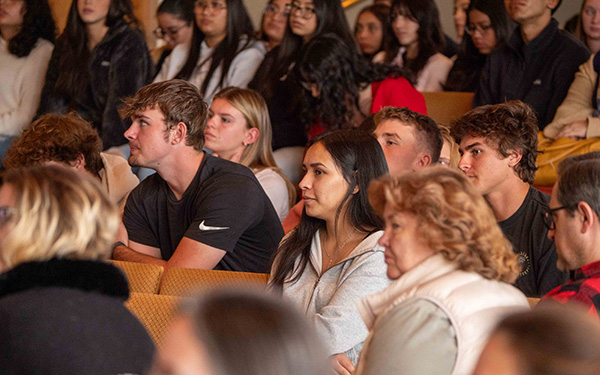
67	317
119	66
538	73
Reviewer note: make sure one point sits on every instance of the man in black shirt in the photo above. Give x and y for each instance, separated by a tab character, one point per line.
538	63
498	146
197	211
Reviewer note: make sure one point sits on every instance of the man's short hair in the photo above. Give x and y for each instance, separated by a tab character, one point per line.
507	126
179	101
57	138
579	181
428	134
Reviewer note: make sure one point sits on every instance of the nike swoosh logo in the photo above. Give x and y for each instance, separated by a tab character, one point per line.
206	227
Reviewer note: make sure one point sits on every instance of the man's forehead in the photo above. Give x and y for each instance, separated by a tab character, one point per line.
469	140
149	112
394	126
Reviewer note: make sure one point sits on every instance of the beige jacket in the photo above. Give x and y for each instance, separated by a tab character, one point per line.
117	178
578	104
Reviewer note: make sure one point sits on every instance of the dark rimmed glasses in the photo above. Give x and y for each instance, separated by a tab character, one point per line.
549	216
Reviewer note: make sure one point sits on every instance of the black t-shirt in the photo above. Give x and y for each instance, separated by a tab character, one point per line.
224	207
525	229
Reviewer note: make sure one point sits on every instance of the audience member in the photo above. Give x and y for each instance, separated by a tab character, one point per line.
232	333
71	141
418	43
26	37
274	21
342	88
577	116
100	58
175	26
450	264
573	222
410	141
488	28
332	259
449	155
460	17
283	94
239	130
498	144
549	340
61	305
588	25
373	29
538	63
222	52
197	211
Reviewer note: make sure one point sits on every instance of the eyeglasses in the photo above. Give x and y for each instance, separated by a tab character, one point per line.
305	12
273	9
171	32
481	28
214	7
549	216
6	213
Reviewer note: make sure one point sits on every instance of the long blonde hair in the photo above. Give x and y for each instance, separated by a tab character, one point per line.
57	212
453	218
258	155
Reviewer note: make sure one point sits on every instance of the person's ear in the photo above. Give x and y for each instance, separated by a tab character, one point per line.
514	157
178	133
422	161
587	216
79	162
251	136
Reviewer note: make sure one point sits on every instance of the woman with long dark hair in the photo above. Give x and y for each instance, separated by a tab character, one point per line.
588	25
342	88
222	53
100	58
283	94
274	20
488	28
332	259
418	43
26	44
373	29
175	26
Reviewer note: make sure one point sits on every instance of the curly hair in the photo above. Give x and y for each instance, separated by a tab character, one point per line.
57	212
453	218
37	23
340	73
58	138
507	126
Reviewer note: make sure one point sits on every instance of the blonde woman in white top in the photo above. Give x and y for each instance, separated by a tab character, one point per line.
239	130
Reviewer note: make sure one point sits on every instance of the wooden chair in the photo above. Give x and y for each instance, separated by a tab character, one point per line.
533	301
444	107
154	311
183	281
143	278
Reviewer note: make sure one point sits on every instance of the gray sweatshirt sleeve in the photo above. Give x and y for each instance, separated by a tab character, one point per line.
412	339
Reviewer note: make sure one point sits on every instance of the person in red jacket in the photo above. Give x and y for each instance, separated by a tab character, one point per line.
342	88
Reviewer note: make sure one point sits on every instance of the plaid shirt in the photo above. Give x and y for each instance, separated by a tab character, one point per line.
583	288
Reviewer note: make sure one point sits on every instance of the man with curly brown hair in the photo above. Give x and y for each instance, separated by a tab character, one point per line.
498	146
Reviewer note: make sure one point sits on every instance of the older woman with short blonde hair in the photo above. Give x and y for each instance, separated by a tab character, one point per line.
56	296
451	267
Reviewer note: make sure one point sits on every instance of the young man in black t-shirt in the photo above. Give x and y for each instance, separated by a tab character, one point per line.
197	211
498	146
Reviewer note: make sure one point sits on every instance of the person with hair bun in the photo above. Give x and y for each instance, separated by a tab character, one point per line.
175	26
451	267
26	43
61	303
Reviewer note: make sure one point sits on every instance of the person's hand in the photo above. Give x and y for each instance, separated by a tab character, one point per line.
576	130
341	364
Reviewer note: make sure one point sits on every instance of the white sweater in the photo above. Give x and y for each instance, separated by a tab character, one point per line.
21	83
240	73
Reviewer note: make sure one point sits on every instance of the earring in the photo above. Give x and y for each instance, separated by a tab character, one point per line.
245	144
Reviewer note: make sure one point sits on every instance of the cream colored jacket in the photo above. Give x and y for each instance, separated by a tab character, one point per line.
578	103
